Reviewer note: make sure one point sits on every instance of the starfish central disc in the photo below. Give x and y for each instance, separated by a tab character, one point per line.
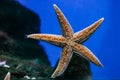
69	42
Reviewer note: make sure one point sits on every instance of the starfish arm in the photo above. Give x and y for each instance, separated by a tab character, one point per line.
83	35
86	53
7	76
53	39
63	62
65	26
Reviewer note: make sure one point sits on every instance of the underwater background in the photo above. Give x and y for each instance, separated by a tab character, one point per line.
104	43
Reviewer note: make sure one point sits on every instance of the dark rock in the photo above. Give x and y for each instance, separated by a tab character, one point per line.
78	69
17	20
3	41
25	56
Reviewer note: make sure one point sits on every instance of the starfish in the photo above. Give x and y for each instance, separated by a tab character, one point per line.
7	77
69	42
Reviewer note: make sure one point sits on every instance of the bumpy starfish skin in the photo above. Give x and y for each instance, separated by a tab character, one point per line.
64	60
65	26
69	42
84	34
53	39
7	76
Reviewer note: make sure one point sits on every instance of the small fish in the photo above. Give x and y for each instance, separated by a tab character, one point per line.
3	64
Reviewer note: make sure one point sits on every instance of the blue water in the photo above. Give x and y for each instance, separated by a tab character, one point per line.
104	43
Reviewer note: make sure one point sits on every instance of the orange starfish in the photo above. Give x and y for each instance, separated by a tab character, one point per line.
70	42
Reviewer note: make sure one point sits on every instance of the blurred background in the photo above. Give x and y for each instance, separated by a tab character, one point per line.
104	43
